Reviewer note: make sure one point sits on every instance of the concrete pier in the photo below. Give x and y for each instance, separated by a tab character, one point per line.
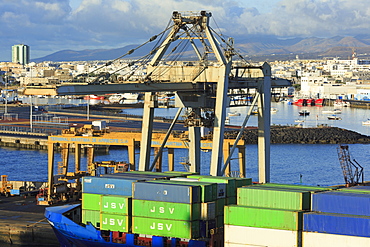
22	222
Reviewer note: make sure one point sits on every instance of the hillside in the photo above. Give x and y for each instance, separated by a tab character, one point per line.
263	47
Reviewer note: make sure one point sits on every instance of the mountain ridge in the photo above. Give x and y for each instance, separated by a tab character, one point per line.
337	46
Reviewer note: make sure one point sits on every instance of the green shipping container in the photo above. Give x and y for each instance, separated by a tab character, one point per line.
91	201
166	228
231	200
92	216
208	190
220	204
112	204
263	217
243	182
115	222
297	187
166	210
260	196
181	174
231	182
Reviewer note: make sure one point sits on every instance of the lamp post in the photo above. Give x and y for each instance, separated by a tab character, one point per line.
6	96
31	125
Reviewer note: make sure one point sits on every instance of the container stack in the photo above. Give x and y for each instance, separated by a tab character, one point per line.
170	204
268	215
106	200
340	218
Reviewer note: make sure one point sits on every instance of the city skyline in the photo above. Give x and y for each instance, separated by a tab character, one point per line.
48	26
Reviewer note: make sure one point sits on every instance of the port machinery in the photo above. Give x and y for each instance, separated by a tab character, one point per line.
201	87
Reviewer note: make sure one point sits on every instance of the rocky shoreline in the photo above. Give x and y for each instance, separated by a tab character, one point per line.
293	135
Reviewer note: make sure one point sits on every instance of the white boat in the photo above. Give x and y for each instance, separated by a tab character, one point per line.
120	97
341	103
367	122
274	110
335	111
233	114
334	117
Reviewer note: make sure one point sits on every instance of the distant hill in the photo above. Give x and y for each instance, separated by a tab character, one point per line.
253	46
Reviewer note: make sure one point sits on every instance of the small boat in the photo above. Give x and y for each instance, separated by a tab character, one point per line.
231	114
341	103
304	113
274	110
299	121
334	117
367	122
335	111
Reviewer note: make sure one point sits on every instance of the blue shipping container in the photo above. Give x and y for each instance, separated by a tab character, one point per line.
341	203
337	224
166	192
108	185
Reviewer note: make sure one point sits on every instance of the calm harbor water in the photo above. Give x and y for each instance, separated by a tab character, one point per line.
290	163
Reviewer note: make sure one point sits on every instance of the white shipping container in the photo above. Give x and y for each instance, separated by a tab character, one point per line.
208	211
254	236
314	239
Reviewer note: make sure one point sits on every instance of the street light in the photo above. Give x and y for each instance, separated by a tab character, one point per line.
6	95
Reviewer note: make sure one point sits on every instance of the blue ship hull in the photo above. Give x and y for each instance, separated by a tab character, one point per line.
72	234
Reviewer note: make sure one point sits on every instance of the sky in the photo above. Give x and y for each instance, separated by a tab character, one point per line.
48	26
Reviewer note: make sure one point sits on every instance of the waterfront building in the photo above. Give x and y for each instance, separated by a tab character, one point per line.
21	54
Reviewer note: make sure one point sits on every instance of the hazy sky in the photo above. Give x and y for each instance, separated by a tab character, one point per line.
48	26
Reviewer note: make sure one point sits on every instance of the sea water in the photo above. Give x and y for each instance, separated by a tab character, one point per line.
315	164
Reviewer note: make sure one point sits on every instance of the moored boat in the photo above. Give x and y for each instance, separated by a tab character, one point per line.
334	117
367	122
304	113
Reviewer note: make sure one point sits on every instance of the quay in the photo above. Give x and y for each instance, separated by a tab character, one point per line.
23	223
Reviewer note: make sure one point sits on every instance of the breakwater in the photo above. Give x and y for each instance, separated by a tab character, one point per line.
293	135
279	135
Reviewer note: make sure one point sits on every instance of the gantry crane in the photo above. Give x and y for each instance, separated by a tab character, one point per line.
200	86
351	177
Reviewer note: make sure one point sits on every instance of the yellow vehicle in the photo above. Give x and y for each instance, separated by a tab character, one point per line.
5	186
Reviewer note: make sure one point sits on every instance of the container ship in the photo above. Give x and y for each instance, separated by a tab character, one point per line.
185	209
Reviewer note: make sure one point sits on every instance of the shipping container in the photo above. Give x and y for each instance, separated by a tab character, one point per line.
314	239
356	189
92	216
156	191
108	185
262	236
220	221
299	187
221	188
263	217
231	200
341	224
208	190
220	204
116	204
115	222
166	210
207	227
208	211
341	203
239	182
166	228
91	201
182	174
230	182
259	196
